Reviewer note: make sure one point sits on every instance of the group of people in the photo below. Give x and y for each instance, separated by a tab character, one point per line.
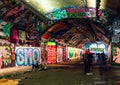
88	61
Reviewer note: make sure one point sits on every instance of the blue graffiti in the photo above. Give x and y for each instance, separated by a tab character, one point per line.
27	56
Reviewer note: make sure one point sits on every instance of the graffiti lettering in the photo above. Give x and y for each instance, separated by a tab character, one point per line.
27	56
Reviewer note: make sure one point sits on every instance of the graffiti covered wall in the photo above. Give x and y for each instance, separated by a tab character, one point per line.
5	56
26	56
116	55
74	53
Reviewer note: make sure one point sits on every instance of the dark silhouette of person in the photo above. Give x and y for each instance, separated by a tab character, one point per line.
85	62
102	62
35	65
88	58
89	63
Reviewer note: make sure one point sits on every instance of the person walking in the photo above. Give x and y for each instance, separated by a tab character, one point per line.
85	62
44	57
102	62
88	62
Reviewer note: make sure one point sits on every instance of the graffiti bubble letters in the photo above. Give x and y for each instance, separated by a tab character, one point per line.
27	56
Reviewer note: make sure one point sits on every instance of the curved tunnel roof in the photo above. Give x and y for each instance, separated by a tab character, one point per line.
72	31
76	32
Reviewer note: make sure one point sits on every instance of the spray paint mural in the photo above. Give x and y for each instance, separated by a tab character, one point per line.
74	53
116	55
26	56
5	56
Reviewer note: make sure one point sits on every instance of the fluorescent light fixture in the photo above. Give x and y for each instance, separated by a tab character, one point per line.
101	46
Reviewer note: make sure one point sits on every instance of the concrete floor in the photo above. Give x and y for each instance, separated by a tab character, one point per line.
70	73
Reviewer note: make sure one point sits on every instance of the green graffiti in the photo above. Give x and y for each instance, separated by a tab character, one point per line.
70	54
76	15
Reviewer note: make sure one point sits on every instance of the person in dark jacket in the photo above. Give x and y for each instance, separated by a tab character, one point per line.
88	58
85	62
102	62
89	63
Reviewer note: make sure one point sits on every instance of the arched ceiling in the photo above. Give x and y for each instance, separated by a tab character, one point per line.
47	6
51	5
76	32
27	16
20	17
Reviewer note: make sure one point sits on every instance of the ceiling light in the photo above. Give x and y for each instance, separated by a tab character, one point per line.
27	0
45	5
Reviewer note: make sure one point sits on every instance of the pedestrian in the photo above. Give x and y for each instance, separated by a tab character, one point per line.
35	65
88	58
85	62
102	62
44	56
89	64
45	59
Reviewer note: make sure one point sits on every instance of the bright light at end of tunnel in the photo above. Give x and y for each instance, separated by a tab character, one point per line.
94	45
101	46
45	4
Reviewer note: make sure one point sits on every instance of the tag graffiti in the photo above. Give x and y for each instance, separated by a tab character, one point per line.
26	56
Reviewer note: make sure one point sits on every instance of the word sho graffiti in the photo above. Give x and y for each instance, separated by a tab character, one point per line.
26	56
